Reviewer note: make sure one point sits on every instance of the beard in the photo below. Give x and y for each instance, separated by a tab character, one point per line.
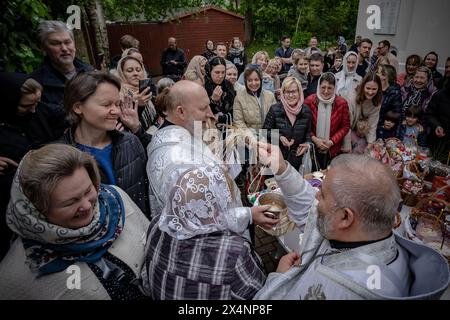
324	224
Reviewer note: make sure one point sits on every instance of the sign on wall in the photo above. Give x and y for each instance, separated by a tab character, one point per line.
390	10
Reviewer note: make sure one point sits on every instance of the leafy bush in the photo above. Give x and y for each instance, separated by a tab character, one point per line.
19	50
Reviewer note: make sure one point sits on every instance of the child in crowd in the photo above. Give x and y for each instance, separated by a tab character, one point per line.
337	66
388	129
300	70
411	131
358	137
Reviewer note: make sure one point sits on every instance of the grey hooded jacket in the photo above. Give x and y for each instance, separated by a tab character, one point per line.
393	268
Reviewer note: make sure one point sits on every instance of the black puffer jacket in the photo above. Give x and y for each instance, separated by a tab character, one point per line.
392	101
276	118
129	161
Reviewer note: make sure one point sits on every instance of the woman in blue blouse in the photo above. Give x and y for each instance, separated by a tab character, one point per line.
93	107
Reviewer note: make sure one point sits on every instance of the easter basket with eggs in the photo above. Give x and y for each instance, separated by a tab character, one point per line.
429	222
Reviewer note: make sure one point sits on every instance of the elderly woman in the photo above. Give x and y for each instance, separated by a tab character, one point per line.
74	233
392	95
196	69
220	91
130	70
347	79
252	104
25	124
330	120
293	120
419	92
92	103
365	108
412	63
191	253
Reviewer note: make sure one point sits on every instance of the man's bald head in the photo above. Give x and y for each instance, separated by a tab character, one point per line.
368	188
181	94
187	102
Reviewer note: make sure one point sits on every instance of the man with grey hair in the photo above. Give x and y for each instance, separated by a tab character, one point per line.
60	65
348	249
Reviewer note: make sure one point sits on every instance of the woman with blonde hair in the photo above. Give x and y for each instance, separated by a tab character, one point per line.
130	70
260	58
67	222
293	120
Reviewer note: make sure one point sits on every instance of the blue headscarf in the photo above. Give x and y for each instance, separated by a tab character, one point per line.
50	248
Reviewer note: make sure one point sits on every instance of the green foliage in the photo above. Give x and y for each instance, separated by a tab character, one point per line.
256	46
119	10
301	39
301	19
19	50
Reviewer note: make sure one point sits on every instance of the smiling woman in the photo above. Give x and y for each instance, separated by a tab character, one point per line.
65	218
92	104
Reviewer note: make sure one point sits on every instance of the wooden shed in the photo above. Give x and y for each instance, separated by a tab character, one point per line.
191	30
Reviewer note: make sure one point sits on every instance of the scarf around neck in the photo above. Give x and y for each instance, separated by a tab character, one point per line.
292	111
51	248
324	114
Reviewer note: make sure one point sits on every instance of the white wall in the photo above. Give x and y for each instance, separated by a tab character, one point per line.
423	26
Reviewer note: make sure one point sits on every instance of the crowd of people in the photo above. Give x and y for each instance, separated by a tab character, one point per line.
104	171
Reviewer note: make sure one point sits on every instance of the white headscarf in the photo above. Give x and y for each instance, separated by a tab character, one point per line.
324	112
345	74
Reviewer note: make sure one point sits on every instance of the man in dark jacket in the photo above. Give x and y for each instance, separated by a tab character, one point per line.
173	61
60	65
316	63
285	52
364	48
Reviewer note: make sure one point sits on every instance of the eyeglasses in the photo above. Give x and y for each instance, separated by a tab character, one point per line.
291	93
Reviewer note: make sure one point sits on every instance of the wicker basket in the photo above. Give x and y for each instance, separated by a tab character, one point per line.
431	204
409	199
441	237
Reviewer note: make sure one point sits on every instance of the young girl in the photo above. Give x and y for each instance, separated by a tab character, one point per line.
300	70
411	131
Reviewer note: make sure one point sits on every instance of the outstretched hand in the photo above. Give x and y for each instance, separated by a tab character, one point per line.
271	156
129	114
5	163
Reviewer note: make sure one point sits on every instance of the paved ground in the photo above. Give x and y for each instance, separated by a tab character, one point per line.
267	248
